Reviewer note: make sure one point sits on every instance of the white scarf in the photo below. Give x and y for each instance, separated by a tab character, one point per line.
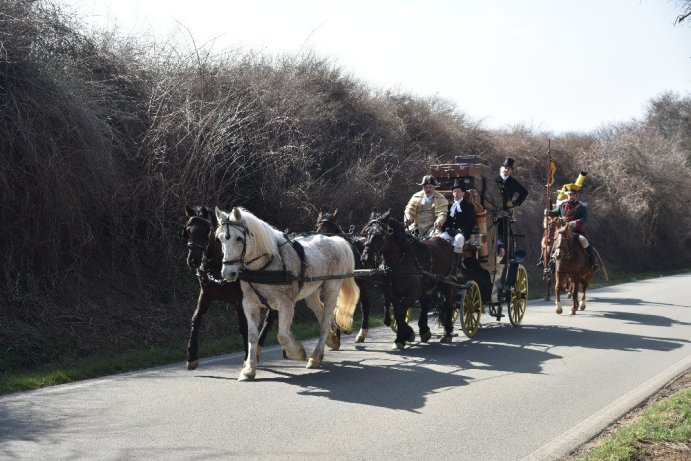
427	199
455	208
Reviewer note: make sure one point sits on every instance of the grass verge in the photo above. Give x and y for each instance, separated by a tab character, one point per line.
662	432
109	364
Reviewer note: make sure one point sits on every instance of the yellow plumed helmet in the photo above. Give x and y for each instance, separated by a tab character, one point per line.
562	193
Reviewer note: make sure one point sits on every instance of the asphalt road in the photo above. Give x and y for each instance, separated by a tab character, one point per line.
533	392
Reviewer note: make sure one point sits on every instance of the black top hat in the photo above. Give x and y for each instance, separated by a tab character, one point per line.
463	183
508	162
428	179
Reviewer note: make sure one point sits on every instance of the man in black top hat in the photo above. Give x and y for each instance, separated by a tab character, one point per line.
509	186
512	195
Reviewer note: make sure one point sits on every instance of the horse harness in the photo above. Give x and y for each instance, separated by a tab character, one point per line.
396	270
261	275
204	274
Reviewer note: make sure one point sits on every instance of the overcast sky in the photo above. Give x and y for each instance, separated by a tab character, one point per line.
554	65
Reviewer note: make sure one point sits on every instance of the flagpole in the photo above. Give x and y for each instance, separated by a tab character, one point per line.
547	238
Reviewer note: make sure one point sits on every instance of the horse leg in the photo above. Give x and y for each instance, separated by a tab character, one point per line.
294	348
548	285
403	331
557	292
269	320
203	303
387	311
446	314
249	369
425	332
581	305
242	326
574	296
365	307
329	292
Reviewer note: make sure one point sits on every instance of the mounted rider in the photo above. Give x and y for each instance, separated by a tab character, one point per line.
427	210
575	214
459	223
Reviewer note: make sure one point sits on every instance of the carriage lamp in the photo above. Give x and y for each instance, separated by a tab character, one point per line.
476	238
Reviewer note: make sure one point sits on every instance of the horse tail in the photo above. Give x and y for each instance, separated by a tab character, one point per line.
345	305
348	297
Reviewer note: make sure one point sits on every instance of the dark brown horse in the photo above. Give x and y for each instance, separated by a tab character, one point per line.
327	224
205	256
413	268
571	268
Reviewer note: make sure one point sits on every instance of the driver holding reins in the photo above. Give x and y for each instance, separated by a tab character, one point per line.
575	214
427	210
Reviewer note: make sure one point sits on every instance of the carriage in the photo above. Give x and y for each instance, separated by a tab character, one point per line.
493	276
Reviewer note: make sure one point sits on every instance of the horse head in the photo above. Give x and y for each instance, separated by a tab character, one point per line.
383	235
244	239
327	224
198	232
563	243
375	232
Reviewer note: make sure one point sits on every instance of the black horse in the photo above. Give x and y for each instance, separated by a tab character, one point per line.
205	256
413	268
327	224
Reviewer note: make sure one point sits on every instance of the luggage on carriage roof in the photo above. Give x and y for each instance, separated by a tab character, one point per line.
464	166
470	159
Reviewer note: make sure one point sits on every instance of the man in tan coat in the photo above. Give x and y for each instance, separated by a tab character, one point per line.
427	210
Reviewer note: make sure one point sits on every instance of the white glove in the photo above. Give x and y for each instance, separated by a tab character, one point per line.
572	224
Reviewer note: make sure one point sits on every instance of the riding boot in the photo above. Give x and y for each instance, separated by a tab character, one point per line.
591	258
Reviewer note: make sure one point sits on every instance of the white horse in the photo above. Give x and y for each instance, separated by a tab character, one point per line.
251	247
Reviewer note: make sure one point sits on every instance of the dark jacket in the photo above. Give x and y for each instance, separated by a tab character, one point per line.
509	189
575	212
465	220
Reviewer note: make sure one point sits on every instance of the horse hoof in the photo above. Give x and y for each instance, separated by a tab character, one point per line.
247	374
573	311
558	310
192	365
581	307
361	336
446	339
426	336
313	363
398	346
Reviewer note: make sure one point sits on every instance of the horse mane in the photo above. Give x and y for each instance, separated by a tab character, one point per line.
264	236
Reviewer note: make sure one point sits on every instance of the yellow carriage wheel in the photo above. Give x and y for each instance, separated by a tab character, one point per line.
472	304
519	297
392	316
